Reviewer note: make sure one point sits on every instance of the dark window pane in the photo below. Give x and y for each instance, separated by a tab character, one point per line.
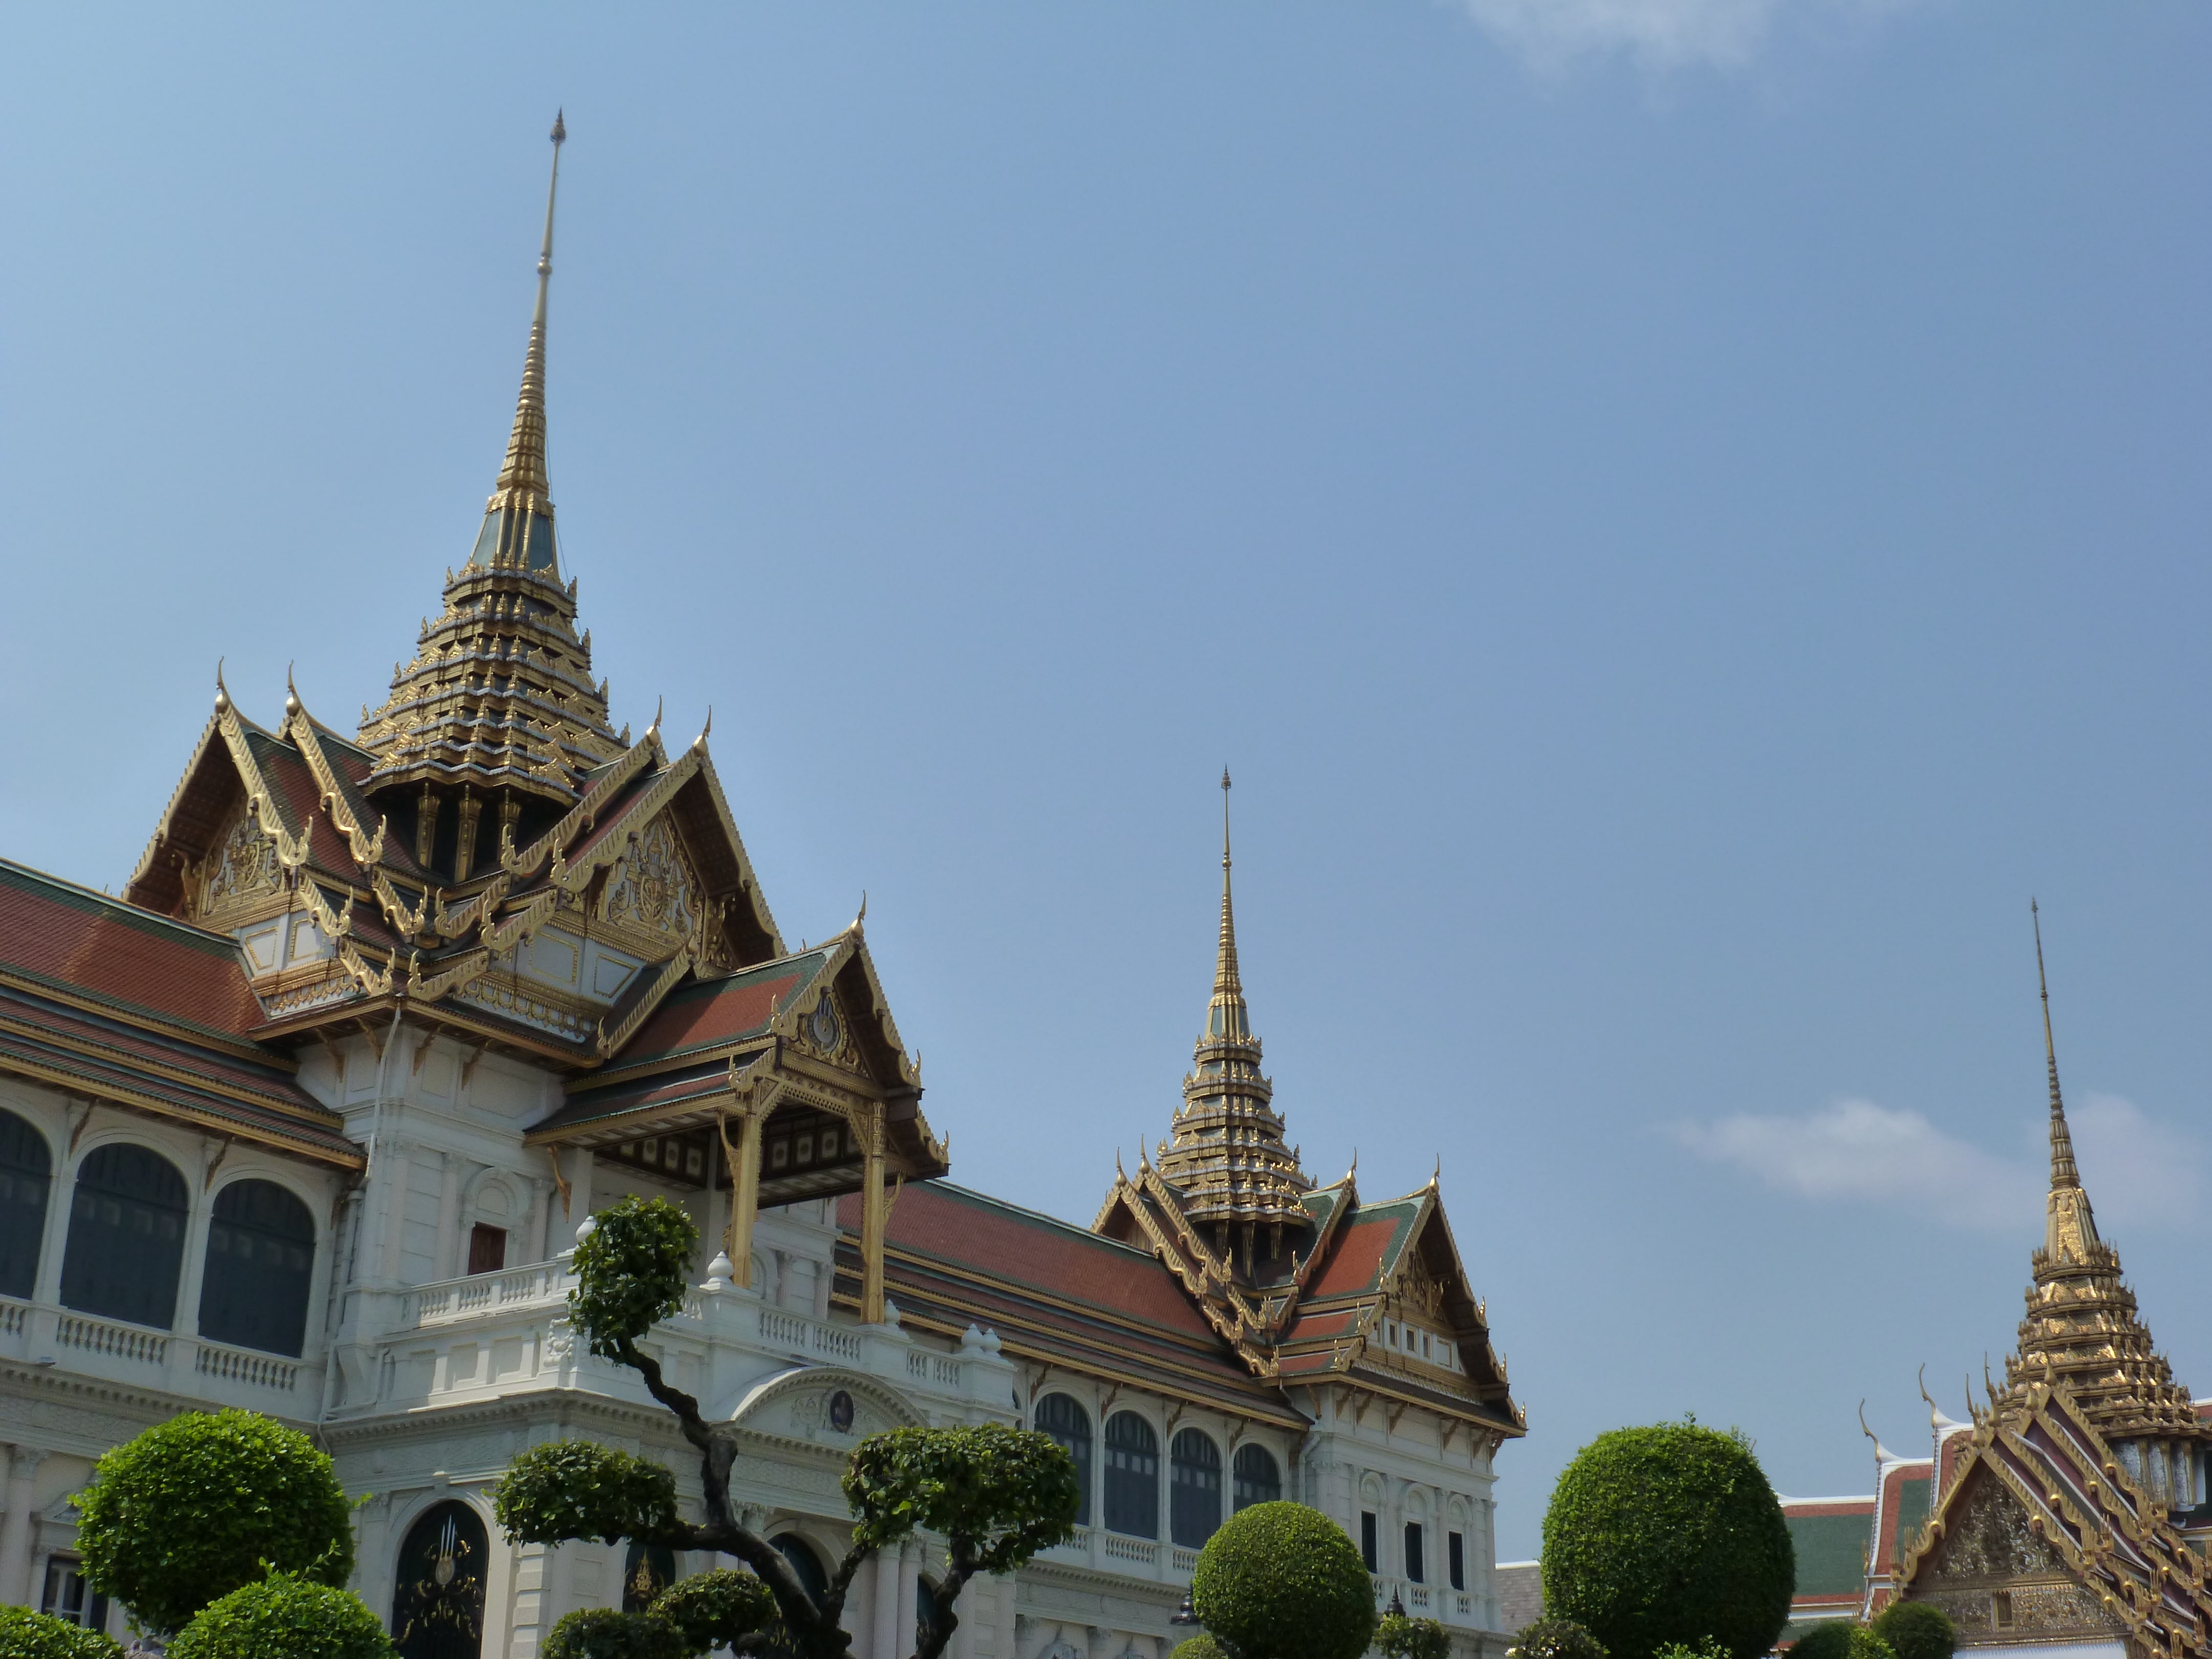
126	1237
541	541
1367	1551
1070	1425
25	1165
437	1612
1132	1476
1259	1480
804	1562
261	1244
1416	1569
1194	1489
1455	1548
487	1249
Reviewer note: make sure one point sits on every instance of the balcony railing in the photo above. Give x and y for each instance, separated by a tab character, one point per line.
39	1332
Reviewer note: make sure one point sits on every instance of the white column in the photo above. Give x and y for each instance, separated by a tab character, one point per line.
393	1204
883	1605
16	1529
910	1599
446	1262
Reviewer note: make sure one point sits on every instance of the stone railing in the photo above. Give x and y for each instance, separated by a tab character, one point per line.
171	1362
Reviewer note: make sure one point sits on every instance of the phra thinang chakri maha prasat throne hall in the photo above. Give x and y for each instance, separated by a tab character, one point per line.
305	1120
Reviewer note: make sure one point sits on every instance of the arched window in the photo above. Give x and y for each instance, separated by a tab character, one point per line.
126	1236
1194	1489
25	1171
1132	1476
647	1569
260	1261
1259	1480
437	1612
1070	1425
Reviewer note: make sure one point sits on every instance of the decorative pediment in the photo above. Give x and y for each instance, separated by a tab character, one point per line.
1987	1536
655	886
242	870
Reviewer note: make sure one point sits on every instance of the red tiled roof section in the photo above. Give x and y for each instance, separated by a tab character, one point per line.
1356	1261
106	947
1031	1250
697	1018
288	774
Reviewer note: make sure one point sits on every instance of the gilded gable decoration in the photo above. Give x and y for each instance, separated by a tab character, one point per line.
654	887
243	869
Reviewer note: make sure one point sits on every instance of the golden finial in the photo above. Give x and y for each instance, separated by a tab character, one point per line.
525	472
654	730
291	692
863	915
2063	1170
222	691
699	747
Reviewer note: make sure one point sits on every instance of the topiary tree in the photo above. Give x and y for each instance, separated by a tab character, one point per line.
205	1503
1282	1580
283	1617
1707	1649
719	1609
27	1635
1201	1646
996	1496
1556	1638
1917	1629
608	1633
1668	1534
1840	1638
1400	1637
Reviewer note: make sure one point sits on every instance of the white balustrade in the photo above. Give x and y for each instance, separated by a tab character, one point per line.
1181	1562
237	1365
118	1342
936	1368
804	1336
462	1299
1138	1552
14	1317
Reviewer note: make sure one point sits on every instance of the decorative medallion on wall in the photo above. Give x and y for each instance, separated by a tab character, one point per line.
655	886
841	1412
822	1027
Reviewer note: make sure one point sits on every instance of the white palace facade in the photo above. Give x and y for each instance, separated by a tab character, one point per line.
306	1118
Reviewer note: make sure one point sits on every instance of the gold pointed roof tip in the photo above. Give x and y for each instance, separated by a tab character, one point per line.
560	127
291	692
2064	1171
699	744
222	691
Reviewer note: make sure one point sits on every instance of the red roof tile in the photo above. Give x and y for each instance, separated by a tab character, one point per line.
1356	1261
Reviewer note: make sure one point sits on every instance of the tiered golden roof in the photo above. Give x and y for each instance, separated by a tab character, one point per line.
499	696
1227	1161
2082	1327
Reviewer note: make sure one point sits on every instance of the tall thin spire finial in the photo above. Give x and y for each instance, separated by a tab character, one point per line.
1225	976
525	467
2063	1170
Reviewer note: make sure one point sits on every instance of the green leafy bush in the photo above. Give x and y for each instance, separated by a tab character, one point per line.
27	1635
1917	1629
283	1617
1400	1637
714	1609
193	1508
634	1269
1009	1493
568	1489
604	1633
1556	1638
1201	1646
1840	1638
1669	1535
1281	1580
1707	1649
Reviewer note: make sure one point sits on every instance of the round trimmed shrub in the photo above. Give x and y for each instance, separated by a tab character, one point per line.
1669	1535
1840	1638
1917	1629
1556	1638
714	1609
27	1635
285	1617
1282	1580
605	1633
1201	1646
203	1504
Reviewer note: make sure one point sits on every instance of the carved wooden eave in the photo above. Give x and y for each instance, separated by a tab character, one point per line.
583	818
188	825
1150	1205
850	973
344	807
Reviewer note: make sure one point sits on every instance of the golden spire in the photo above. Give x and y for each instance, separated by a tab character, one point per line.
2062	1172
524	473
1226	1159
500	693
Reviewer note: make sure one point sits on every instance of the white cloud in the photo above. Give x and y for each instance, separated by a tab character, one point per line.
1664	33
2137	1172
1661	34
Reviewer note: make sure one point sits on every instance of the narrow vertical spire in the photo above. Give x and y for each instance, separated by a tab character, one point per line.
525	469
1225	980
2063	1171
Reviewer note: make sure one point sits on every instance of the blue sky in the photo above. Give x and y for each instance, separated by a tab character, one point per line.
1680	514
